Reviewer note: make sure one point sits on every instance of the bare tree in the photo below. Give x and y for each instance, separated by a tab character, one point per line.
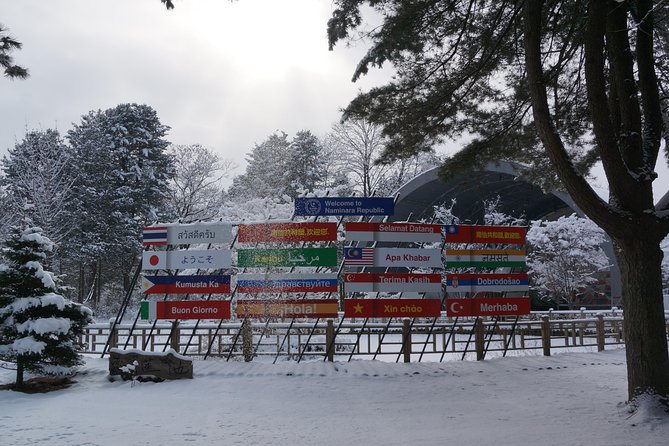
196	192
357	144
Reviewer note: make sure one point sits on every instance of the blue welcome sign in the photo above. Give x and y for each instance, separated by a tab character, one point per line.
344	206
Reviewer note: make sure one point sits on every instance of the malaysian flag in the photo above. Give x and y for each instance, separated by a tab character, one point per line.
155	235
359	256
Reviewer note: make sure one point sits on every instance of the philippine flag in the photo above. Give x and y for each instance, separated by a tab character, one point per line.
155	235
359	256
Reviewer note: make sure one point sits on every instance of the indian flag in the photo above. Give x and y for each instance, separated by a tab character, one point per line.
485	258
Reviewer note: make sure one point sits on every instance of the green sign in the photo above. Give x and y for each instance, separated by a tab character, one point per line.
261	258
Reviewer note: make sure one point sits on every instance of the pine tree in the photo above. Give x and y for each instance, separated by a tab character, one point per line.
40	173
39	328
124	173
265	173
7	45
304	168
555	85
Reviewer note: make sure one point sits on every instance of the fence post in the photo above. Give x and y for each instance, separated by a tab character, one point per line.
546	334
113	335
247	340
479	339
175	338
406	339
600	332
330	340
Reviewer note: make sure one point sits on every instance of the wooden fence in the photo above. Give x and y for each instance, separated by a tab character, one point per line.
389	340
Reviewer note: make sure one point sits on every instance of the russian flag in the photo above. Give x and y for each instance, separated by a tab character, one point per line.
155	235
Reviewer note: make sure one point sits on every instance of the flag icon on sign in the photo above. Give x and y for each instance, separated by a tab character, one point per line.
359	256
155	235
451	229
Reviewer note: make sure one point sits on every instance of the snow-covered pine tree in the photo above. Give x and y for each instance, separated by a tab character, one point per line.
39	328
124	174
264	175
39	177
304	166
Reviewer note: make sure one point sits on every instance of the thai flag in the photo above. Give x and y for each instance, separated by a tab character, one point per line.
359	256
155	235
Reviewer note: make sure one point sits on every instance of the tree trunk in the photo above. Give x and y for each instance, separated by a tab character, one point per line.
644	324
19	374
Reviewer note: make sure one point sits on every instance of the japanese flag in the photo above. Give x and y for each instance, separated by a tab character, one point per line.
154	260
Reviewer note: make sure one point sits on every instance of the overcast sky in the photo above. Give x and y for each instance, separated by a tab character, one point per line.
219	73
222	74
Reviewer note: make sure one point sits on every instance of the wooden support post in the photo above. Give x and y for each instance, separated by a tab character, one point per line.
406	339
479	339
546	334
247	340
330	340
175	338
113	336
600	333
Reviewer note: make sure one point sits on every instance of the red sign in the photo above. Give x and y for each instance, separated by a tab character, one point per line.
488	306
485	234
392	308
304	308
393	232
193	309
393	283
287	232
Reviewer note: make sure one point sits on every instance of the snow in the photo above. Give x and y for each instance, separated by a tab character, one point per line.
23	303
566	399
25	345
43	326
45	276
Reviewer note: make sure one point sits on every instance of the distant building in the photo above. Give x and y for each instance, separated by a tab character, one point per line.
418	197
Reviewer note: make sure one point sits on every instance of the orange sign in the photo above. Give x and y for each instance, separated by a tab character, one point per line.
287	232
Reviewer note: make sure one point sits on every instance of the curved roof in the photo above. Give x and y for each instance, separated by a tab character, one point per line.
417	198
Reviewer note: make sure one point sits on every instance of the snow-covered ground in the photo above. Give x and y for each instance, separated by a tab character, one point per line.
566	399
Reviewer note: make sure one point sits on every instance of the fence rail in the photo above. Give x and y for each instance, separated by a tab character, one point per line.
389	340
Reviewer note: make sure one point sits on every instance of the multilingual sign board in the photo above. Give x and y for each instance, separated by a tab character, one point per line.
286	283
302	308
183	234
185	309
287	232
476	283
485	234
262	258
392	232
344	206
186	259
488	306
484	258
392	283
393	257
213	284
386	308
